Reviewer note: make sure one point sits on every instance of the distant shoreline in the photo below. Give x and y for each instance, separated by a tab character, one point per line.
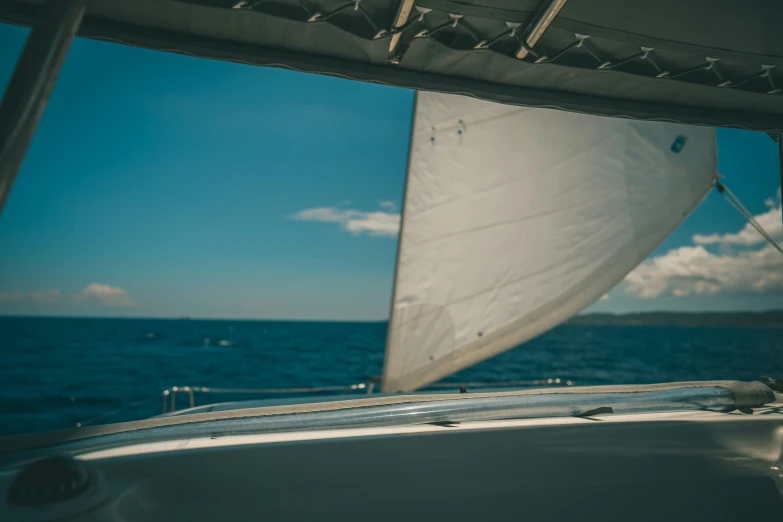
185	319
765	319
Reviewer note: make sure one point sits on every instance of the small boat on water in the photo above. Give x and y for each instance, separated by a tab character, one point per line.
554	145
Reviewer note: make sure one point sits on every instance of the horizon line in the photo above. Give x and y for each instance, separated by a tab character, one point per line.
383	320
188	318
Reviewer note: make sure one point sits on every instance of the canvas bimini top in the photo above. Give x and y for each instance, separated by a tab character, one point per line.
704	62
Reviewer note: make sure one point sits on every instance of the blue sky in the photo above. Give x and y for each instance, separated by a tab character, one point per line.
163	185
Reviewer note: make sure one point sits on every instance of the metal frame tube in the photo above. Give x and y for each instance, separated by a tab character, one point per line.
32	83
780	158
403	13
540	25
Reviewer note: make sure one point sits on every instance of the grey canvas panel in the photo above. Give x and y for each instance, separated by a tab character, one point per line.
352	42
724	28
257	29
431	56
719	27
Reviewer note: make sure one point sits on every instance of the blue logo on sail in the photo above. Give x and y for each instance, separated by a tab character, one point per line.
679	143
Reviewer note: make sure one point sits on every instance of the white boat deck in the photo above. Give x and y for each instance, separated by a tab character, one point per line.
653	466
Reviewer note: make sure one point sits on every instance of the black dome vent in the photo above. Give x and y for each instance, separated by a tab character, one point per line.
49	480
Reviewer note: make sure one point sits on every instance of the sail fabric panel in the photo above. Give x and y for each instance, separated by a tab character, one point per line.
515	219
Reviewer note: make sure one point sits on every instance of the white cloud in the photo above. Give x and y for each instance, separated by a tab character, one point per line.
748	236
105	294
694	270
36	296
388	205
604	297
97	292
377	223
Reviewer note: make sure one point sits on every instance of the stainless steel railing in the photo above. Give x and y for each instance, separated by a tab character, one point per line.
169	396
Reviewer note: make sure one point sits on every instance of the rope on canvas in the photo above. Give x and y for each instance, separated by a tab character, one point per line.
729	196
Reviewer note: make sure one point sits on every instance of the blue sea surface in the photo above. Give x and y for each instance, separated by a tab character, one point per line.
57	372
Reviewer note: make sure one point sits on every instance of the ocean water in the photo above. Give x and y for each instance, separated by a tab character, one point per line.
55	373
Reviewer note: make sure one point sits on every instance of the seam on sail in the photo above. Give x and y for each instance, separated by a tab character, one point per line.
584	203
592	246
565	160
482	121
432	331
456	360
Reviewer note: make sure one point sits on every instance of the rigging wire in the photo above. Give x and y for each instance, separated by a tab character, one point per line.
737	205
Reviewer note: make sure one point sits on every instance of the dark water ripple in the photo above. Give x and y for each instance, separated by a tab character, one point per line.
55	373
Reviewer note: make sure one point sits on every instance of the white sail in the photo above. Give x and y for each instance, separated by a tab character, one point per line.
515	219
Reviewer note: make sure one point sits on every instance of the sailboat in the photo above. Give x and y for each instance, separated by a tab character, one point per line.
554	145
